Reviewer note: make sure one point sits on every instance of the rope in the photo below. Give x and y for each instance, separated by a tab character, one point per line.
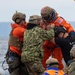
3	64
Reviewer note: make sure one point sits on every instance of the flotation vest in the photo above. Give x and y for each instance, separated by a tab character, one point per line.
16	38
61	21
54	71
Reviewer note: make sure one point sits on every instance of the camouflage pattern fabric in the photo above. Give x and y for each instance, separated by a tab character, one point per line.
71	68
35	68
33	42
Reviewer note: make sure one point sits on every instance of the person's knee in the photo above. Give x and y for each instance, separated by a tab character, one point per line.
15	72
38	68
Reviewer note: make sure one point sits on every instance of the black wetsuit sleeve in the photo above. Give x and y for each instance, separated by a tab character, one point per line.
61	41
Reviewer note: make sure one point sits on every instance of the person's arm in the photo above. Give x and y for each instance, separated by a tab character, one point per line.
67	25
50	34
50	31
47	34
61	41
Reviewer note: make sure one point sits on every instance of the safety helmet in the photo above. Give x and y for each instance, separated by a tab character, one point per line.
48	13
72	52
59	29
52	61
18	17
34	19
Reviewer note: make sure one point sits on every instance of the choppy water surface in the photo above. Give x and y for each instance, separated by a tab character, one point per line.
3	50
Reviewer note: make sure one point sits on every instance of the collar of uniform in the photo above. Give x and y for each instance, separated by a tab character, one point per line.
30	26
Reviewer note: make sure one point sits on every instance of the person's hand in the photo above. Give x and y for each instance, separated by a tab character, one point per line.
65	35
50	26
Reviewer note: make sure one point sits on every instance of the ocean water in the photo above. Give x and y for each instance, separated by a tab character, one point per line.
3	50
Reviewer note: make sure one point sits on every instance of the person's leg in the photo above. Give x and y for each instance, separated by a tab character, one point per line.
15	72
48	48
15	65
23	69
35	68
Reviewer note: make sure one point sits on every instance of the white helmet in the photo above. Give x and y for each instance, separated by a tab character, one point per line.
52	61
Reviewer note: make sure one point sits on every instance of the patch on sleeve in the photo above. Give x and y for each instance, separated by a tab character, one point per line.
60	21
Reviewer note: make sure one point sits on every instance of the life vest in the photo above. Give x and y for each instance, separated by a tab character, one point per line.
61	21
16	38
53	71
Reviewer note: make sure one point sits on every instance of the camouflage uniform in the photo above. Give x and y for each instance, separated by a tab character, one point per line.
32	51
71	68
